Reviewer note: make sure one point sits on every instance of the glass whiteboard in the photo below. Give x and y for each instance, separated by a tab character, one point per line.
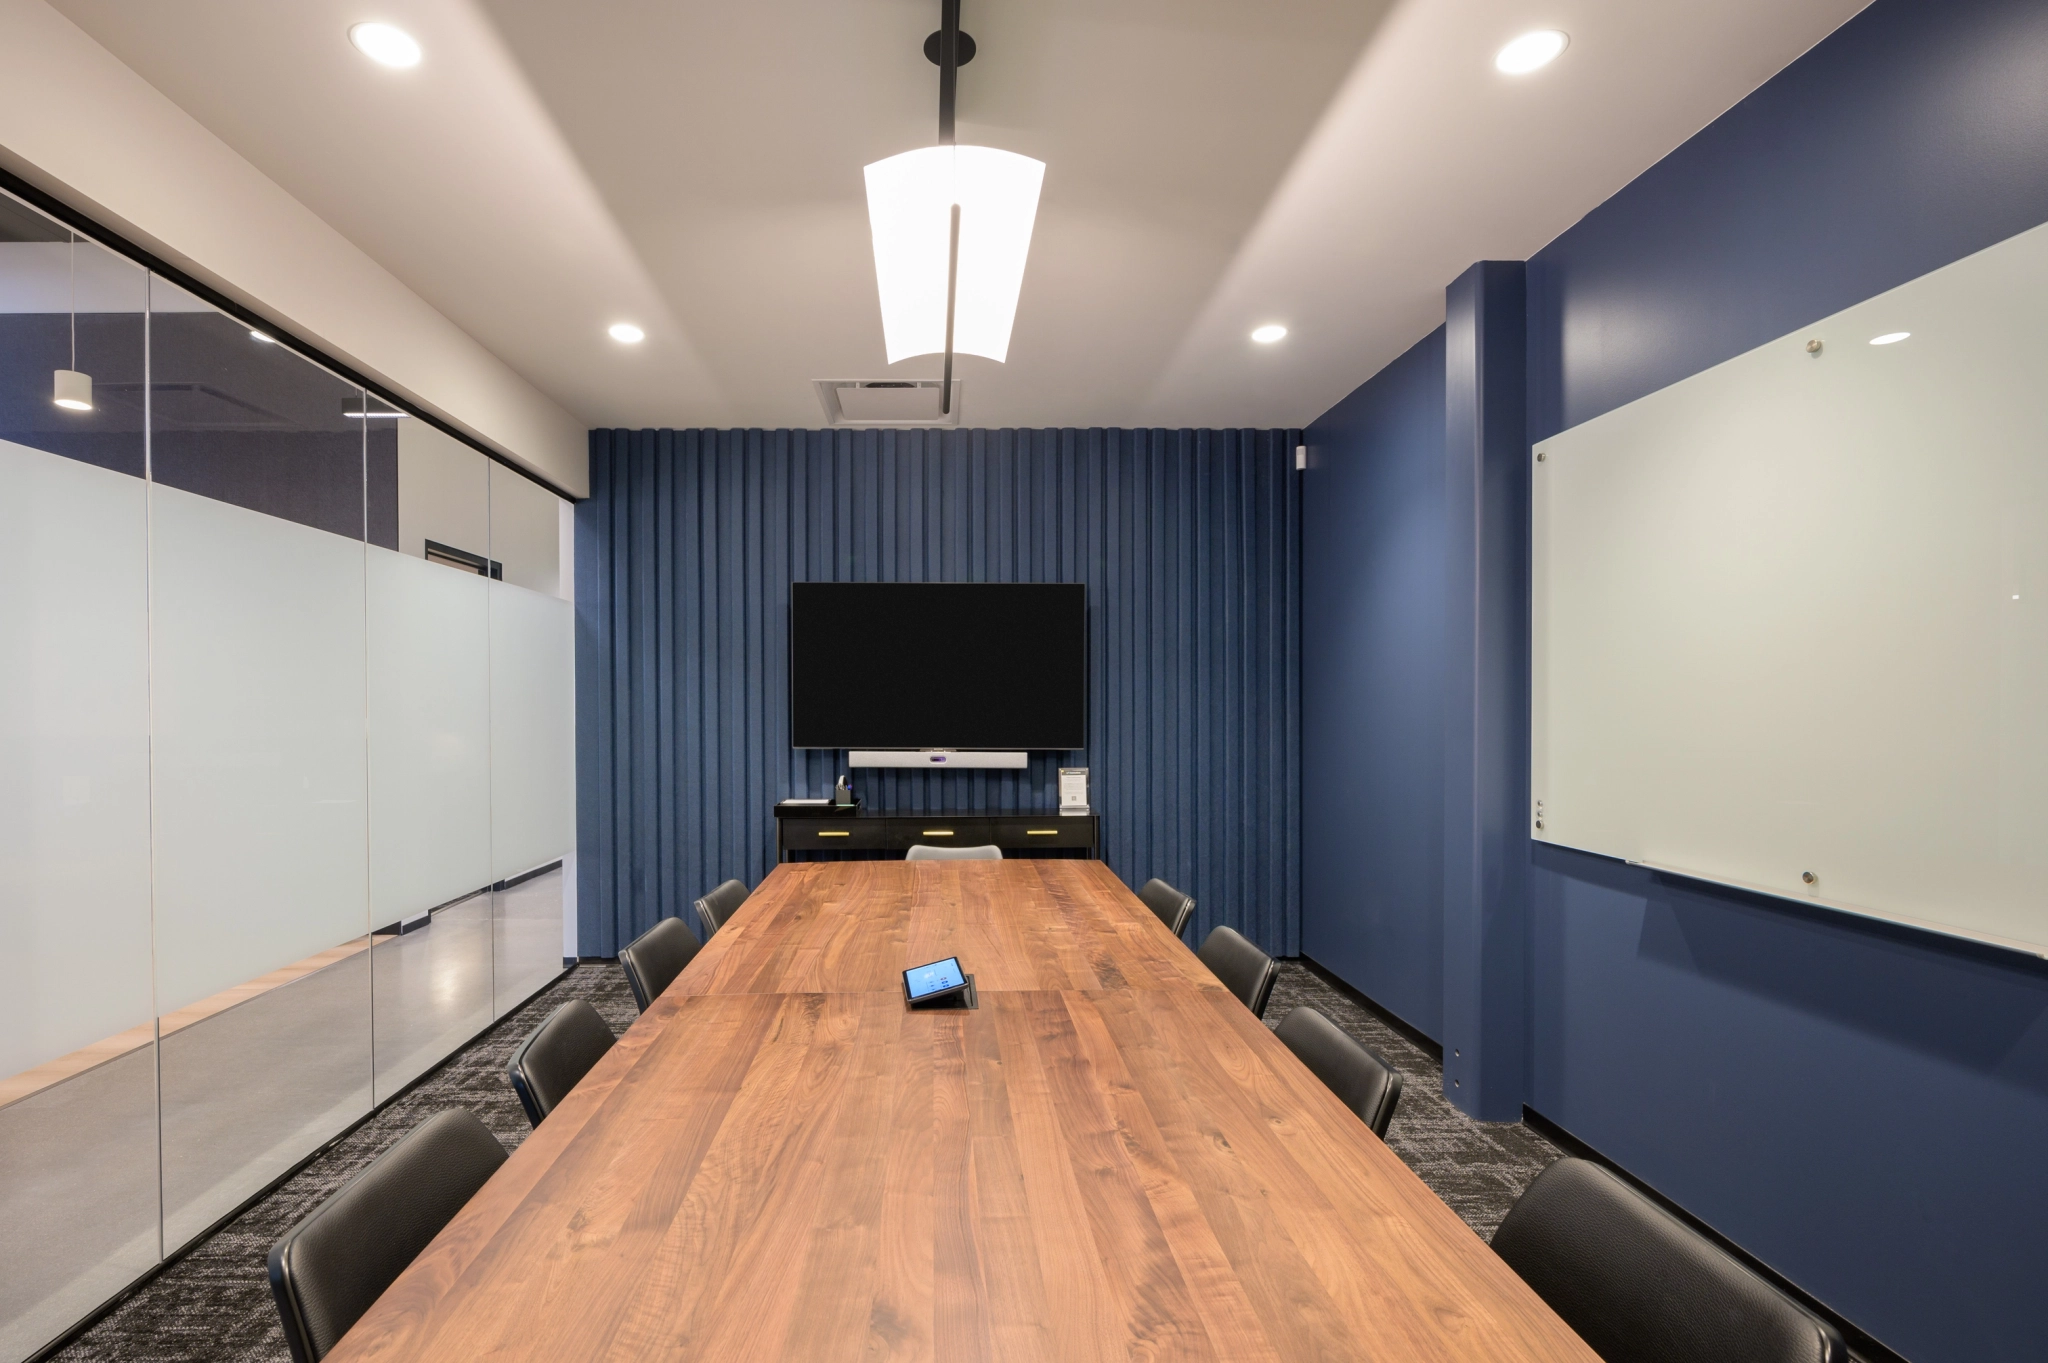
1791	613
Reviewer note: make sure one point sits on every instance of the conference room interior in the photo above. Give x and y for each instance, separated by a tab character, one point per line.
955	679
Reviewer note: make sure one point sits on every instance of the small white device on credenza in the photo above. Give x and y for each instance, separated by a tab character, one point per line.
1073	790
935	757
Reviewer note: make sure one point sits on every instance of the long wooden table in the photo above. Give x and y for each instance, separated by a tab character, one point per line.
1110	1159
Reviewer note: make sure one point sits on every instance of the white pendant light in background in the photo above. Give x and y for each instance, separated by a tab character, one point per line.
952	227
910	202
73	389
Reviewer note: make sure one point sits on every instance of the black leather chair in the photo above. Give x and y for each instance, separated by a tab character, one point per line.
926	852
1360	1077
1641	1286
714	908
1245	970
1173	907
656	957
556	1056
330	1267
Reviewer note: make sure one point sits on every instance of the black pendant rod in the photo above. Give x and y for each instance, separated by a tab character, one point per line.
949	66
949	85
952	290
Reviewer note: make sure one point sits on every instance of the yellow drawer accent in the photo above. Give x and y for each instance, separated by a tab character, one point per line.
936	833
834	833
1041	832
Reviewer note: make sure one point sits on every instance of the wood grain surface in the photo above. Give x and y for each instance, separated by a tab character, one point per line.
1110	1159
853	926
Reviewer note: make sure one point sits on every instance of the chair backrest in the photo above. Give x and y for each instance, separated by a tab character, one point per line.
1638	1284
1173	907
329	1268
1360	1077
556	1056
922	852
655	958
1245	970
714	908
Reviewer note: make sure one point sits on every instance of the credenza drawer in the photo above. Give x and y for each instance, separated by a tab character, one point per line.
937	831
831	835
1050	831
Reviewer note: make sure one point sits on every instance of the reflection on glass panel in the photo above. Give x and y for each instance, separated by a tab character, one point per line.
443	499
237	417
254	1079
78	1195
381	421
69	307
533	743
260	708
430	812
529	936
528	528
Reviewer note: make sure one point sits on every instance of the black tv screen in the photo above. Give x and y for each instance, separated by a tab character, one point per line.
971	665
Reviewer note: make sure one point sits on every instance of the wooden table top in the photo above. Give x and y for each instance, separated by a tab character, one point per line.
1110	1159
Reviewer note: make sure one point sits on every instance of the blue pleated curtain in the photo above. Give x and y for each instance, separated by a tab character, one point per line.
1187	540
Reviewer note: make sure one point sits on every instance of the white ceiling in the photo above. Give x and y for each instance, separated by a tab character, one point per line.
695	167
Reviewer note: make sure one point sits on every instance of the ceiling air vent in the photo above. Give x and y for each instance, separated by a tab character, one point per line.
887	402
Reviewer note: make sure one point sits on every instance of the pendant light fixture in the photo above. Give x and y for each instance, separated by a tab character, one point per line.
952	227
74	390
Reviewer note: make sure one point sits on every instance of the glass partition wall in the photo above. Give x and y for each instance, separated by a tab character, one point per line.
286	762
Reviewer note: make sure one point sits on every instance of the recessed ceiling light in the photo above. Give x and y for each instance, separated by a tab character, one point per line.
1269	333
1530	51
262	336
385	44
1890	338
625	333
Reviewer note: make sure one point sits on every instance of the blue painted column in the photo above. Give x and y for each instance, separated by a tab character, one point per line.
1486	697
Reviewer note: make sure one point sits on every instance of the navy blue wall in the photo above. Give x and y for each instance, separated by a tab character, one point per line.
1372	686
1861	1106
1189	543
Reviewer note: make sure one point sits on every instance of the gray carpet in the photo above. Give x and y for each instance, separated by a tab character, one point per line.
1479	1168
214	1305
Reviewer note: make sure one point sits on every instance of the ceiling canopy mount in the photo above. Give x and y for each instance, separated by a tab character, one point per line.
952	226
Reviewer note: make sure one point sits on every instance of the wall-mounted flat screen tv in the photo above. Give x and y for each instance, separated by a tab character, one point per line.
993	666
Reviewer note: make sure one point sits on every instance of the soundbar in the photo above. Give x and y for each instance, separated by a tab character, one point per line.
935	757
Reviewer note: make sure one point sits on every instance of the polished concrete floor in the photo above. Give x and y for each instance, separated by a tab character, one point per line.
246	1094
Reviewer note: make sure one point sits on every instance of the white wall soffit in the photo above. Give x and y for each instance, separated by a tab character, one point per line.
85	128
1429	159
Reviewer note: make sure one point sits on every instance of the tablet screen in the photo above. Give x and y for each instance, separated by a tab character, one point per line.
923	981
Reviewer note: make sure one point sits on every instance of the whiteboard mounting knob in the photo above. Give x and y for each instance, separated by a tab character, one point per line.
1813	347
1809	877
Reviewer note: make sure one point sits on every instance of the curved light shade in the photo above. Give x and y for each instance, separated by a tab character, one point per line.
74	390
910	210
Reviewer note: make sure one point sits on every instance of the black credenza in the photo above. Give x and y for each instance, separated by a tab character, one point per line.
884	832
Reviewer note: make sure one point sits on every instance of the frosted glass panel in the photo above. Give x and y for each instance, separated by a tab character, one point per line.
433	990
78	1197
78	1183
533	742
74	759
430	784
252	1090
528	936
259	679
